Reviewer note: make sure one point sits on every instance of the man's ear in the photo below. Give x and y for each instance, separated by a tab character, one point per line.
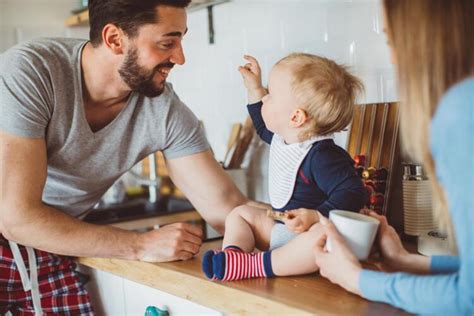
298	117
113	38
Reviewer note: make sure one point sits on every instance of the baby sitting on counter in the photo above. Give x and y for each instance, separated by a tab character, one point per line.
309	98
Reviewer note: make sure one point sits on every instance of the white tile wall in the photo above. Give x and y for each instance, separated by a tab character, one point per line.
21	20
349	31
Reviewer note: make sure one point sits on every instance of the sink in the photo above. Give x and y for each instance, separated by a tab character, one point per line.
137	209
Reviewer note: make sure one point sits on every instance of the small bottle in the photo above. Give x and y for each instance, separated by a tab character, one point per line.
359	171
381	174
377	186
370	189
419	173
359	160
406	172
368	173
377	200
380	186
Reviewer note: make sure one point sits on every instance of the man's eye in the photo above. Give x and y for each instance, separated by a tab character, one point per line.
166	45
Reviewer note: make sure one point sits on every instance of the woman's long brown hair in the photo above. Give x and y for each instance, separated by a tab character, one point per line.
433	42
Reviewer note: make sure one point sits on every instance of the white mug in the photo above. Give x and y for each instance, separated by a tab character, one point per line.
358	230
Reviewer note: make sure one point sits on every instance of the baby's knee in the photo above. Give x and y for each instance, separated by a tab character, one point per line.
316	230
238	212
316	226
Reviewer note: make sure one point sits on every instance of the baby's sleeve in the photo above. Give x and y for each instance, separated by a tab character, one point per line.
255	112
337	178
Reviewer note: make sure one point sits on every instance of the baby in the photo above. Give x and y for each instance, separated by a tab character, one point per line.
309	98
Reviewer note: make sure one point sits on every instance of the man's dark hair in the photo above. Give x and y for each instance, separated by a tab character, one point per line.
129	15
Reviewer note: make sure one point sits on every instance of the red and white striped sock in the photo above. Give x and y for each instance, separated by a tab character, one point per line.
235	265
232	248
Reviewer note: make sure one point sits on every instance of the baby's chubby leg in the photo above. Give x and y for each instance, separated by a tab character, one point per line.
248	227
296	257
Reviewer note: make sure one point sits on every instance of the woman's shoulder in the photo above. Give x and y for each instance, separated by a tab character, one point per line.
462	88
457	103
455	113
452	128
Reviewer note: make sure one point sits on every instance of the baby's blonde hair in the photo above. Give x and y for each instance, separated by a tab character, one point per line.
325	90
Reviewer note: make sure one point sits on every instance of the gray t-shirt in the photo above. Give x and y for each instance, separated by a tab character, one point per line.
41	97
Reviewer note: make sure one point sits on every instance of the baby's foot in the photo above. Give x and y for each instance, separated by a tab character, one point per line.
207	263
236	265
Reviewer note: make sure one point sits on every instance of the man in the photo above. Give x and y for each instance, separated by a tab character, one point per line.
74	116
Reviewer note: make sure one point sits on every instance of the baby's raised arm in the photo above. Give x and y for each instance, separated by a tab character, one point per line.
252	75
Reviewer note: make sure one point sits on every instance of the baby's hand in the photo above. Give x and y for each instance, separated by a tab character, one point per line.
251	74
300	220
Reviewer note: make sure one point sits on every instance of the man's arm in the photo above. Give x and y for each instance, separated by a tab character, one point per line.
207	186
25	219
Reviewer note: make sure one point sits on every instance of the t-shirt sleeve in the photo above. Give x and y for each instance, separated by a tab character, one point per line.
25	95
337	178
184	133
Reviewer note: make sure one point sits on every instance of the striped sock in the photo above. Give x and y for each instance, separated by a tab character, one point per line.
234	265
209	255
207	263
233	248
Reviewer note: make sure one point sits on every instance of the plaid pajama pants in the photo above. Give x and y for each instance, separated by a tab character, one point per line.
61	292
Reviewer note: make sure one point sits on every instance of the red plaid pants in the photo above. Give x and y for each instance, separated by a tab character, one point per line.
60	290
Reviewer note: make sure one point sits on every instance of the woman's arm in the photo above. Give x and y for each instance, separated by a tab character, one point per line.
453	150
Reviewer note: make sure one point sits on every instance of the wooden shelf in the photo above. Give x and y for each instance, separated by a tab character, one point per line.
82	19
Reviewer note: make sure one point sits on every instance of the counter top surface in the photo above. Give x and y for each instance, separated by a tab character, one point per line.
309	294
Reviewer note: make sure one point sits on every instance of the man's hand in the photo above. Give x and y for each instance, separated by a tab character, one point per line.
173	242
252	75
300	220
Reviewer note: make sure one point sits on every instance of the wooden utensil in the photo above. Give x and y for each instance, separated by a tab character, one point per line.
242	145
276	214
232	144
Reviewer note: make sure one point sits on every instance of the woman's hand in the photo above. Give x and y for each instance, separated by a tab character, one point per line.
252	75
340	265
300	220
394	257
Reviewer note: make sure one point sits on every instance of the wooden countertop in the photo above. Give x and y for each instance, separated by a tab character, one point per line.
299	295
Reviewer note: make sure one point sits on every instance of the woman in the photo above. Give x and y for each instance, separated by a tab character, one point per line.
433	46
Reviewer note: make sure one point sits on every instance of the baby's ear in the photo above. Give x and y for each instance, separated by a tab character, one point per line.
298	117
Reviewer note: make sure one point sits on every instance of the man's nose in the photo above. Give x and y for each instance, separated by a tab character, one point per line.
178	55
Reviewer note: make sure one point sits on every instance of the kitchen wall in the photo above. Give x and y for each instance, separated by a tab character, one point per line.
349	31
21	20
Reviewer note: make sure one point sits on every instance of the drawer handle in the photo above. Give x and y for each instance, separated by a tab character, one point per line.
155	311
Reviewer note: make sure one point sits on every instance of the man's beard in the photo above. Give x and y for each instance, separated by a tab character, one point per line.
139	79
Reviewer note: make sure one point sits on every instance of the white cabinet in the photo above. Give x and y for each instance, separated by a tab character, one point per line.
106	292
113	295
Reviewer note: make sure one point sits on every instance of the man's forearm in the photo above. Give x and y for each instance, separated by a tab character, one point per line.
50	230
